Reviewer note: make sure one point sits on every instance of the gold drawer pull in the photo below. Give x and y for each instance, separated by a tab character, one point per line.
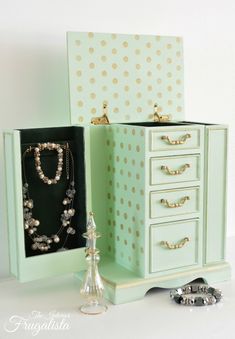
175	205
175	172
182	140
175	246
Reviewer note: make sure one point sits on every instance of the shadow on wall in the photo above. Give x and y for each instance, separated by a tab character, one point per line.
33	93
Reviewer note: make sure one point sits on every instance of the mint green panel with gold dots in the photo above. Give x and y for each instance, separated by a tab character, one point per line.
131	72
125	148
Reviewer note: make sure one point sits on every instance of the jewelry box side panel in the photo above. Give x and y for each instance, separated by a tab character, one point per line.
11	198
98	183
215	193
125	148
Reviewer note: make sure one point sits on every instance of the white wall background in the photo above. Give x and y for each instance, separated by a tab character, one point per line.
33	84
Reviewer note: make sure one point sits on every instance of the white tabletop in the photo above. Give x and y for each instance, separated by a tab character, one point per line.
56	302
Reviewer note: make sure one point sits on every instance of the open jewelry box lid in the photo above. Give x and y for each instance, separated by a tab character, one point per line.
130	72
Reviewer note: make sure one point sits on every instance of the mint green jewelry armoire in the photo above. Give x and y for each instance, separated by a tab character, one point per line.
155	182
158	181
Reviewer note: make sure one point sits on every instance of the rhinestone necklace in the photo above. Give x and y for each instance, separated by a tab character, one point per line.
43	242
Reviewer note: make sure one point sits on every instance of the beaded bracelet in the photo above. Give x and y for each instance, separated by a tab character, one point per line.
208	295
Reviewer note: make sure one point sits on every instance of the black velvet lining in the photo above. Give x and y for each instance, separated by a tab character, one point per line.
198	123
48	198
165	124
156	124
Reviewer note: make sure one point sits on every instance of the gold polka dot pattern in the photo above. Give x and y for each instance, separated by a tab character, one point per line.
125	228
123	69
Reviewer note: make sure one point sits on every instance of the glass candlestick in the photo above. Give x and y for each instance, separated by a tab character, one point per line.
92	287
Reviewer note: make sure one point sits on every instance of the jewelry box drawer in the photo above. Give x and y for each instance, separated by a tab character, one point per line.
174	169
174	139
174	202
174	245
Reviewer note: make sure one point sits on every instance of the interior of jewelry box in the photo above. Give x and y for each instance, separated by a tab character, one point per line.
48	199
165	124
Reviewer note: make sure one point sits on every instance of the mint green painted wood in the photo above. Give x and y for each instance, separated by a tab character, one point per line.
131	72
215	193
99	183
125	149
129	193
122	171
41	266
11	200
160	210
175	134
162	258
160	175
124	286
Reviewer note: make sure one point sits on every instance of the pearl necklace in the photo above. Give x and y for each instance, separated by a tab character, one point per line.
31	225
37	157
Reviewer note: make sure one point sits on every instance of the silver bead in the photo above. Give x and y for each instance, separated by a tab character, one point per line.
36	222
56	239
30	204
183	301
34	246
65	201
173	293
57	177
187	289
31	231
49	182
191	301
71	211
71	230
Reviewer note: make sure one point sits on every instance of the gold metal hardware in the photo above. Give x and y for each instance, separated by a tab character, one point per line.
181	141
175	246
175	172
182	201
158	117
103	120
